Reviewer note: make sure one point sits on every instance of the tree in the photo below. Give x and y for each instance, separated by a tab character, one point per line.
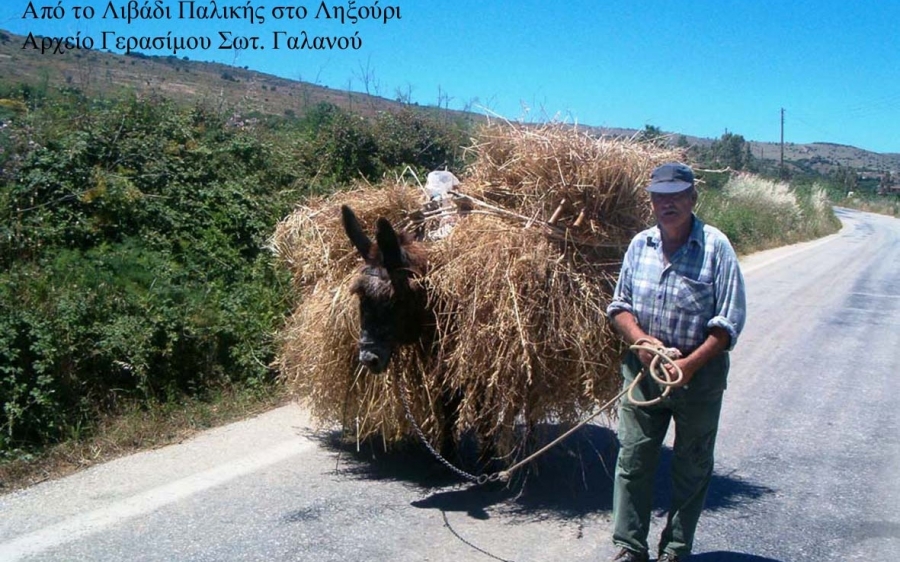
651	134
731	151
846	178
887	183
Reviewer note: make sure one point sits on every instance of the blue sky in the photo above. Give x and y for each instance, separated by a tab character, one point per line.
698	68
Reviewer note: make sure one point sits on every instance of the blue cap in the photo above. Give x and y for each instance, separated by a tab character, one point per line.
671	178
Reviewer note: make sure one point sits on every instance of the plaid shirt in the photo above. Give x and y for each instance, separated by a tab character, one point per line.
678	302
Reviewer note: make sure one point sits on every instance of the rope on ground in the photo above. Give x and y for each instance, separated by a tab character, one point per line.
662	357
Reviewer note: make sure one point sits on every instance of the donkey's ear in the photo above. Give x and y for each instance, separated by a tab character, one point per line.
389	244
355	232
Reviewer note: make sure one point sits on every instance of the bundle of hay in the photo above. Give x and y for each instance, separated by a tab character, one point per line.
592	188
318	351
519	288
311	241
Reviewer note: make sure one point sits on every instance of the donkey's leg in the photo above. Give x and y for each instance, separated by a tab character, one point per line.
449	406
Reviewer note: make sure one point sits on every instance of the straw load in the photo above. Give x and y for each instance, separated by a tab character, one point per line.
518	287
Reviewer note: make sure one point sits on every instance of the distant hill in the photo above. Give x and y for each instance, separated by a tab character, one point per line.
824	156
98	72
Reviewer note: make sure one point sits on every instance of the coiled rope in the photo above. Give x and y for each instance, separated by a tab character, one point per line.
657	369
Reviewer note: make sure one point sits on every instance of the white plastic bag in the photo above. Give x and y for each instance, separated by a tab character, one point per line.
439	184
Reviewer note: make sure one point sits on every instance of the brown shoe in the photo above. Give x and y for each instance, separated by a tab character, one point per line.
626	555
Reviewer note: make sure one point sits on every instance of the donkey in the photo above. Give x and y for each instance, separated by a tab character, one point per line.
394	310
392	300
393	306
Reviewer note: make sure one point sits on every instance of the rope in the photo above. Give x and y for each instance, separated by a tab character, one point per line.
657	370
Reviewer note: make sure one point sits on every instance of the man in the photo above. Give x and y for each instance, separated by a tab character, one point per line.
681	287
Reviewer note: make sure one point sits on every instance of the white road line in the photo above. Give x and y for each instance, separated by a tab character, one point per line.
876	295
95	521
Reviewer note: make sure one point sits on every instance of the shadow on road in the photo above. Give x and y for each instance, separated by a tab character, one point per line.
725	491
572	479
723	556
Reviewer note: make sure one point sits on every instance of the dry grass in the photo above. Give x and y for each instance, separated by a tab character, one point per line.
137	428
882	204
312	244
593	188
758	213
519	289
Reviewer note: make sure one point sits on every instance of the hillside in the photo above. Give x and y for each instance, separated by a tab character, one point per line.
822	157
96	72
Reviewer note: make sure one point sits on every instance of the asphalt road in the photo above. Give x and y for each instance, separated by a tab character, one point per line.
808	458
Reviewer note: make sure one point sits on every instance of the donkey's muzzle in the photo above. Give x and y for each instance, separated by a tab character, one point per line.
374	358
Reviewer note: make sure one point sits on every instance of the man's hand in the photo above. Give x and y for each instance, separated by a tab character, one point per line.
627	325
645	356
688	368
716	342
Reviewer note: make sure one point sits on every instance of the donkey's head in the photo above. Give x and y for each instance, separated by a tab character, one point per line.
391	300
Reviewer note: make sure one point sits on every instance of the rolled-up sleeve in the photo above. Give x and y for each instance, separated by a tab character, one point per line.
731	299
622	300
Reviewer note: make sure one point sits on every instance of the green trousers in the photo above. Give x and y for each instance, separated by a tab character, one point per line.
695	411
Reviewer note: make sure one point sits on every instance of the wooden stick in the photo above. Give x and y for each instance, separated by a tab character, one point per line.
555	216
580	218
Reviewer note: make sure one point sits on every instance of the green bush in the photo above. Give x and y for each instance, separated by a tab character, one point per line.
422	141
133	232
342	147
134	264
756	213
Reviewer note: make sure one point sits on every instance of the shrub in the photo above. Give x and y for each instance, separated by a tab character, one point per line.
410	137
133	264
132	245
757	213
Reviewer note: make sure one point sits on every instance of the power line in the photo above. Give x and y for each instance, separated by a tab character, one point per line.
884	102
796	117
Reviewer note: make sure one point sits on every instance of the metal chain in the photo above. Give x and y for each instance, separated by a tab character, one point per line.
482	479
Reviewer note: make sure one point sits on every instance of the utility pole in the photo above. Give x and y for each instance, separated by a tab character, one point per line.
782	143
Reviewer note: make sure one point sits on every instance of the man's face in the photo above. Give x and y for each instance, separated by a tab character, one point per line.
673	209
